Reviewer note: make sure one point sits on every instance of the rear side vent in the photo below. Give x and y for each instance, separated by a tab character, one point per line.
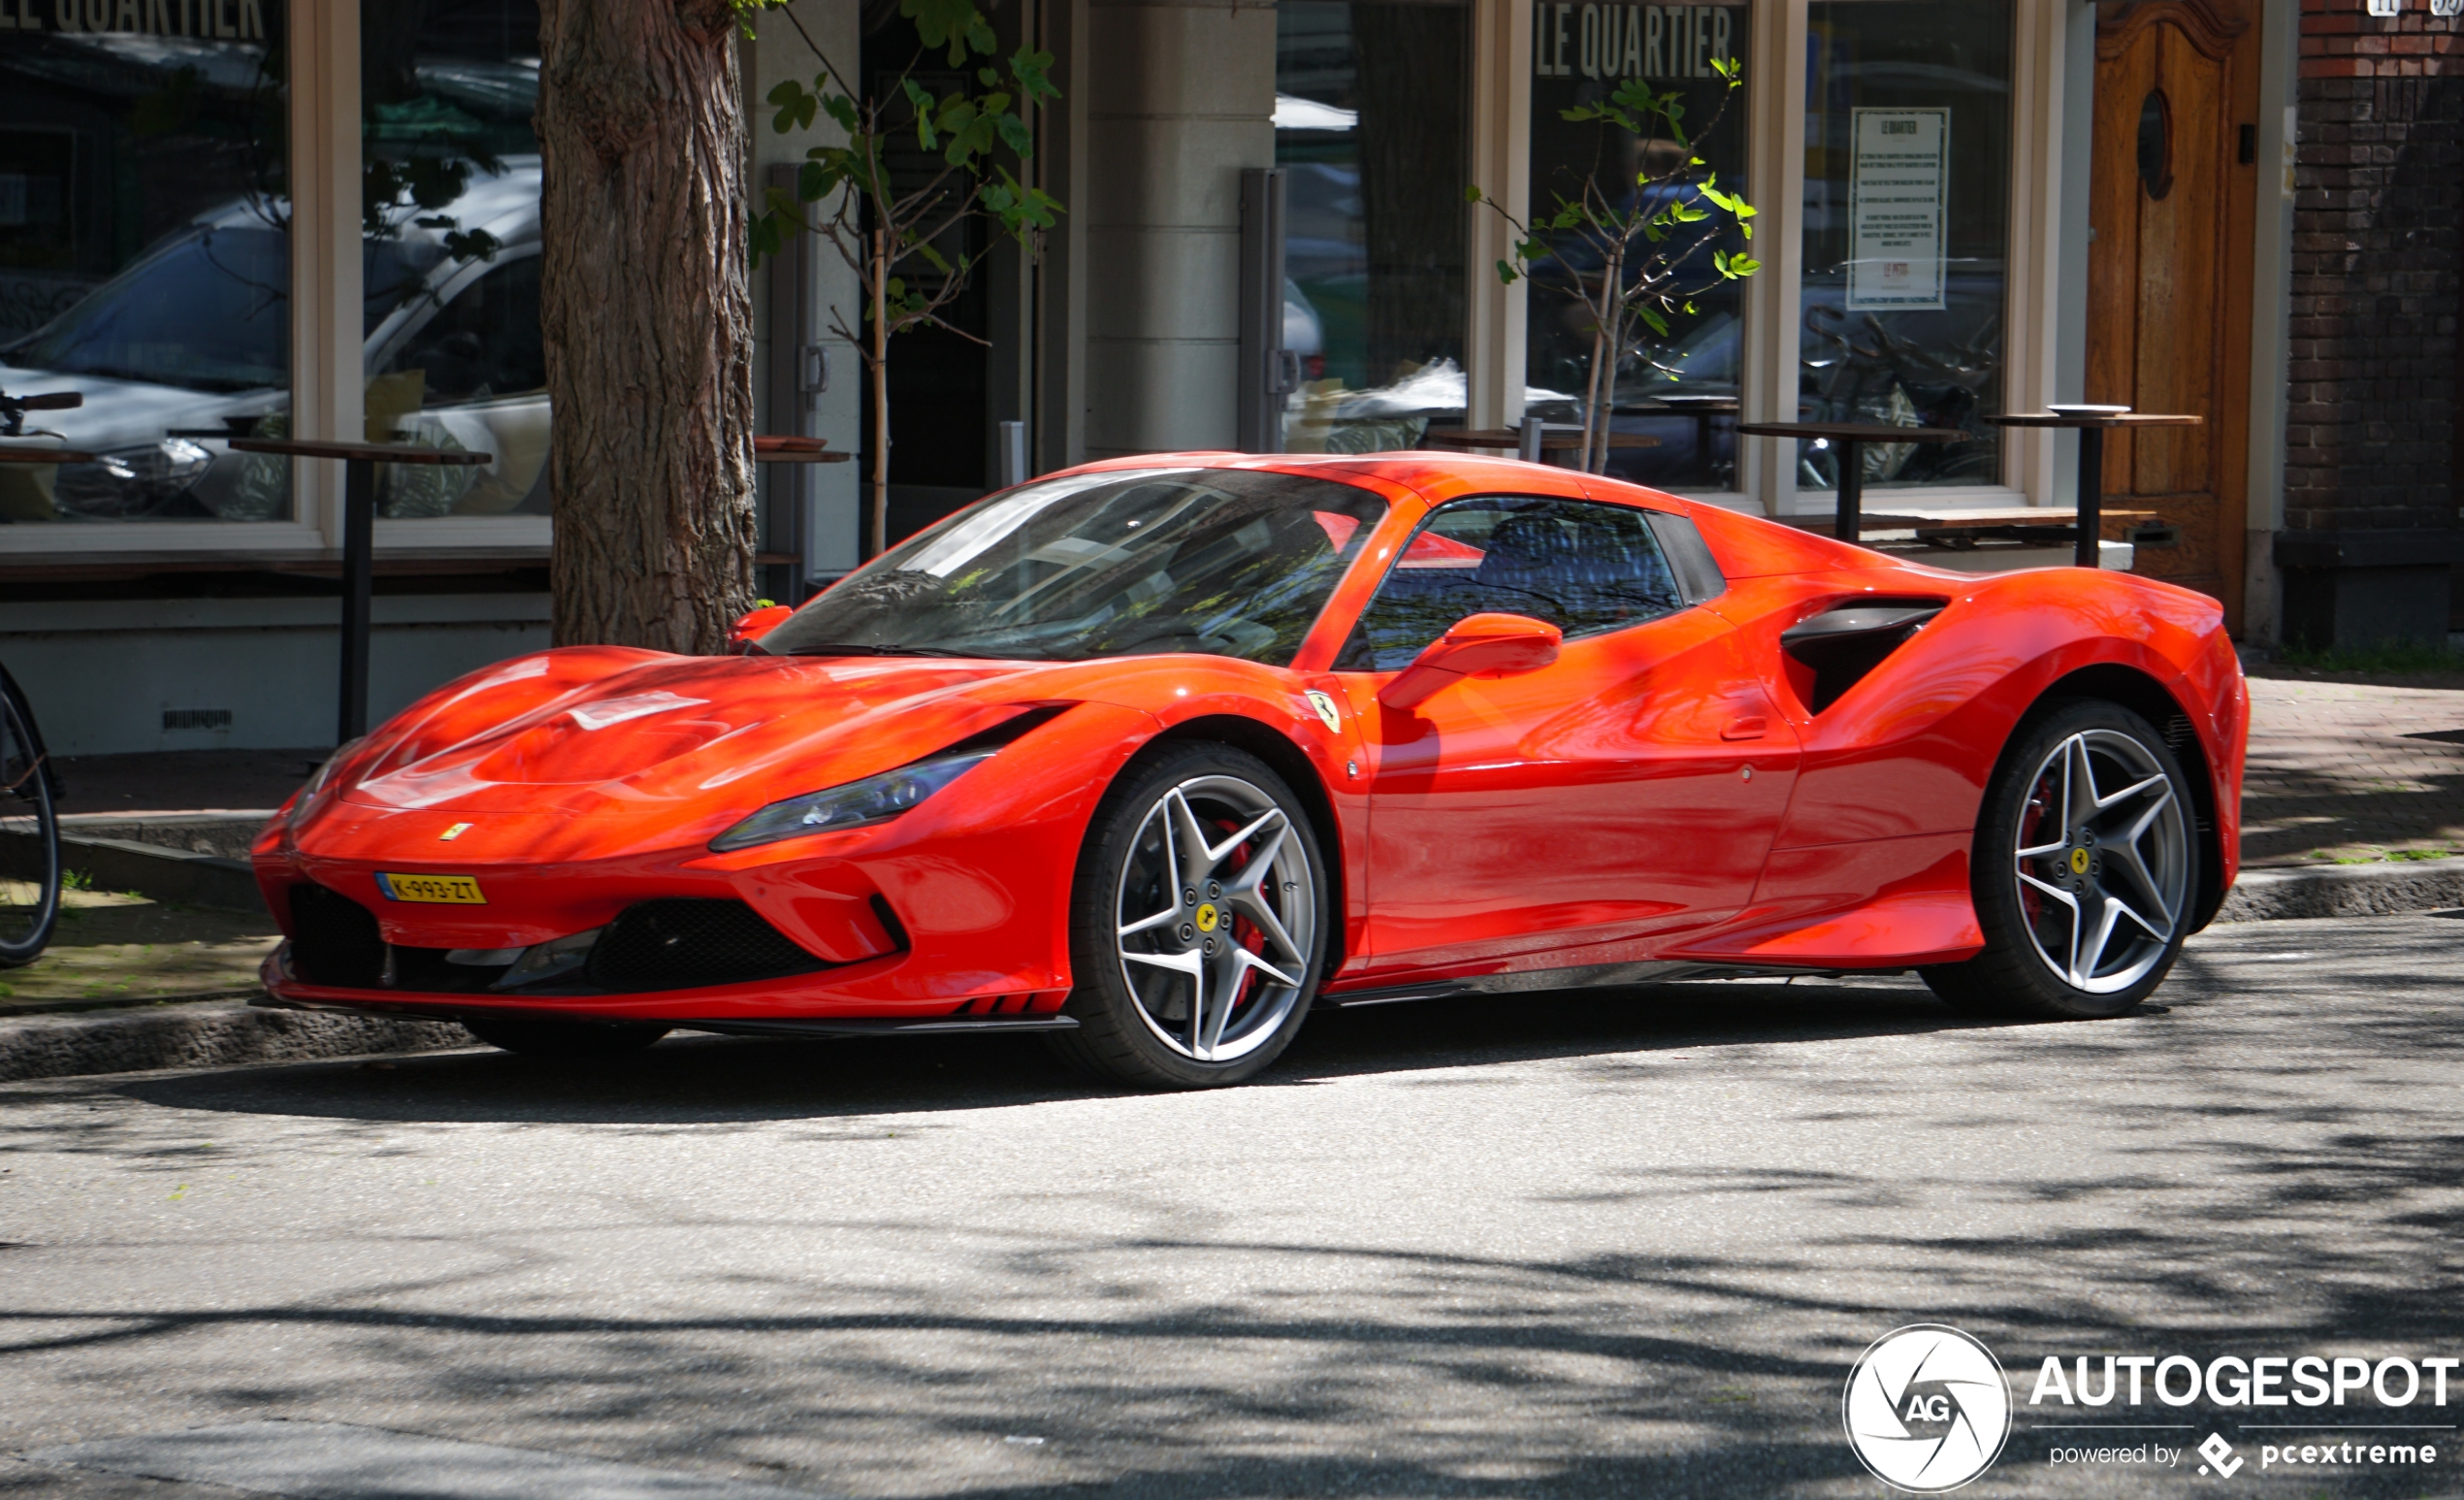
685	944
1839	646
335	941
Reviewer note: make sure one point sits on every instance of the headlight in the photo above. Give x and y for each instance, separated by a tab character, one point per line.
130	482
869	800
301	803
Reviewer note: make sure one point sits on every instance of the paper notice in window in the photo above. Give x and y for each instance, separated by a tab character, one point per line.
1895	205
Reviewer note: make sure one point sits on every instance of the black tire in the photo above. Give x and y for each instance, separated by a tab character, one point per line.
2079	861
573	1039
29	838
1156	1032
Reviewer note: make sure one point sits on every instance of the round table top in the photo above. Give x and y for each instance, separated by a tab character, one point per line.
783	448
1853	432
2094	420
45	456
381	452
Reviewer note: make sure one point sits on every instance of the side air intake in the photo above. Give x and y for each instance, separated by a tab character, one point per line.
1840	645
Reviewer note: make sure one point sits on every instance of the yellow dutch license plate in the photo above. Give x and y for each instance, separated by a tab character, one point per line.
435	890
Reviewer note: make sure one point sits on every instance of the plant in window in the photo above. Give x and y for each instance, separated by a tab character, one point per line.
899	237
1634	258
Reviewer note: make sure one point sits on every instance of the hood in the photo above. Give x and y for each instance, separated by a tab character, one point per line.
600	729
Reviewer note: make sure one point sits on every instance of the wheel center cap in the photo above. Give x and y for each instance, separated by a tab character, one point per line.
1209	919
2079	859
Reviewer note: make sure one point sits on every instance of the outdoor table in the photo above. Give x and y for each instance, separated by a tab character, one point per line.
1704	409
359	544
2092	427
783	448
1852	438
44	456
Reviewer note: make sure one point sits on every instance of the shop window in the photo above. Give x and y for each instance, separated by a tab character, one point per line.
1679	389
451	184
1906	227
1371	117
145	257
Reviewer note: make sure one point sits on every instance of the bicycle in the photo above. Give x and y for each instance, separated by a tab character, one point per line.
29	831
13	410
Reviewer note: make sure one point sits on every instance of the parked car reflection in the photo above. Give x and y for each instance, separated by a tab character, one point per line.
189	346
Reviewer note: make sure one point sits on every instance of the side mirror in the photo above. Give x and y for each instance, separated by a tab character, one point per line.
756	625
1479	646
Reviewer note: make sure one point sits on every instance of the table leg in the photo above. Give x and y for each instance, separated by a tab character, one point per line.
359	546
2092	495
1852	490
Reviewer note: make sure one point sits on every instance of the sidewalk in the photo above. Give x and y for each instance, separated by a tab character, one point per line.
2347	769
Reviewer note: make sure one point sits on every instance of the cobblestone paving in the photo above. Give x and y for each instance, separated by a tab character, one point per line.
2345	770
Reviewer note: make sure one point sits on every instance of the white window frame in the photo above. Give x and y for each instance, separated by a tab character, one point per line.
328	357
1768	385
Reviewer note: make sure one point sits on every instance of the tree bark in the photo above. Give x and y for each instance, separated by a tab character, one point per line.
647	321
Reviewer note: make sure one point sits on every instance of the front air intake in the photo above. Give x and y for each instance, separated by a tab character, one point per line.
335	941
1839	646
685	944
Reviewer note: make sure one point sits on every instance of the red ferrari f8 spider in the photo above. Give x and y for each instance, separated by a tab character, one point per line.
1155	754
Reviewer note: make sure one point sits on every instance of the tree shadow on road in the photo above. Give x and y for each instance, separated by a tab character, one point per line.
725	1080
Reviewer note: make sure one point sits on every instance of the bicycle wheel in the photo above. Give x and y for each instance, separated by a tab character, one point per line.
29	840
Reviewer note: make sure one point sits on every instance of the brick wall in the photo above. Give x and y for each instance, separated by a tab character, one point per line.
2378	234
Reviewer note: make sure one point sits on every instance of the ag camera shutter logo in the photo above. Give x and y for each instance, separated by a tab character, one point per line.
1928	1407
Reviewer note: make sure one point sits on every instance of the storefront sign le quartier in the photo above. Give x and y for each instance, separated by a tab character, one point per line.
1928	1407
227	20
1630	41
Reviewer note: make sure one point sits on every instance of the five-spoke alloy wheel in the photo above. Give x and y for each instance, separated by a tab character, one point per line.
2084	870
1196	929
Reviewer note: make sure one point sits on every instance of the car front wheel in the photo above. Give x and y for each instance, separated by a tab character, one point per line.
1198	923
2084	866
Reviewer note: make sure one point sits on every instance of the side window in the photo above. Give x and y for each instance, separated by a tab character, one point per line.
1581	567
484	343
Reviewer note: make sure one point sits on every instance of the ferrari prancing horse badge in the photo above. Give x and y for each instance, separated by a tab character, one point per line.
1326	710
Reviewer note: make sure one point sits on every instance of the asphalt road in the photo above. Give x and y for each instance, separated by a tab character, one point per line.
1565	1245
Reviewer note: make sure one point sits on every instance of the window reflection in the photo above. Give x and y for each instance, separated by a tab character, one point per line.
1371	118
453	175
1907	155
145	257
1581	53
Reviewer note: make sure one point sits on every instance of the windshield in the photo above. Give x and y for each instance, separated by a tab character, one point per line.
210	312
1223	562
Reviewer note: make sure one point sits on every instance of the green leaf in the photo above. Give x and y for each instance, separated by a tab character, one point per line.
1035	73
922	102
1658	324
955	24
1506	273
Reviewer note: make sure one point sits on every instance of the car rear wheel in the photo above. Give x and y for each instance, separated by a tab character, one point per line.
563	1038
1197	923
2085	864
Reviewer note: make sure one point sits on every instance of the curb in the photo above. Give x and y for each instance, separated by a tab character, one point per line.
2344	890
204	1036
166	874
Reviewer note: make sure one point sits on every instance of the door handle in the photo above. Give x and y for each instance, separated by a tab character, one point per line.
1753	727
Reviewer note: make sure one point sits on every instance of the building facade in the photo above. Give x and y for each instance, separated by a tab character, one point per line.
319	218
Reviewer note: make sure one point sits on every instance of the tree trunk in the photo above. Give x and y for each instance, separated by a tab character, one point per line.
647	321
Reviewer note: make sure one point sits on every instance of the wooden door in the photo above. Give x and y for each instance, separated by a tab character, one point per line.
2169	272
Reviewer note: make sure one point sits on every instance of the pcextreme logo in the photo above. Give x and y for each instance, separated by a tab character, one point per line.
1928	1407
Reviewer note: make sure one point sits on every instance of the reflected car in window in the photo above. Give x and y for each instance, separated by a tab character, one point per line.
189	346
